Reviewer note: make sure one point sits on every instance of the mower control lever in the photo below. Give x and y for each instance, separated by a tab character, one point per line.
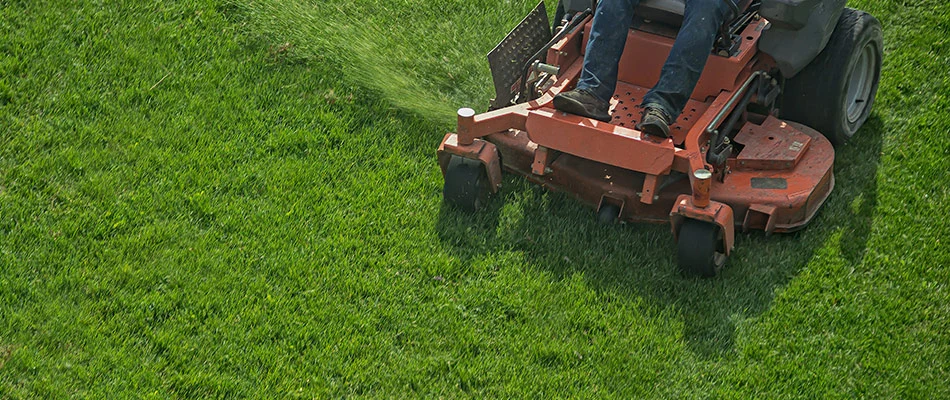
720	143
549	69
575	22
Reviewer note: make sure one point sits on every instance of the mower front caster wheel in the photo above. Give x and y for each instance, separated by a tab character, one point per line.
608	214
466	184
700	249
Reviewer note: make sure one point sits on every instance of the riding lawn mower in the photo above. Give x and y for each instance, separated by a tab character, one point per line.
786	82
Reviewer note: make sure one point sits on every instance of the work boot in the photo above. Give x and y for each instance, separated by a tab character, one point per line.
655	122
582	102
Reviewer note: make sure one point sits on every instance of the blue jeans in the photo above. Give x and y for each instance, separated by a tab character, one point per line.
682	69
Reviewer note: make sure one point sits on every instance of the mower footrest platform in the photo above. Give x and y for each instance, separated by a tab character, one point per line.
773	145
600	141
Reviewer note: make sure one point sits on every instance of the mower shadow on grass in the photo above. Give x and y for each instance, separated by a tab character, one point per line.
555	233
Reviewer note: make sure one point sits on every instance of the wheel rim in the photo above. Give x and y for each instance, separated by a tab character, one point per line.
861	84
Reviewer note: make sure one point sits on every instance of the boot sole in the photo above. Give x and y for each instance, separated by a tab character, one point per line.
655	129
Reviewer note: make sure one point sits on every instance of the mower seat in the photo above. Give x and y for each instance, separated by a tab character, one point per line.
665	11
671	11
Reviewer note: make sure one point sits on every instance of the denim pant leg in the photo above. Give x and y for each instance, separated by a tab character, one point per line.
687	59
608	37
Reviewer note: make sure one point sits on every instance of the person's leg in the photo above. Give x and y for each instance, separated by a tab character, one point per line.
686	61
599	76
608	36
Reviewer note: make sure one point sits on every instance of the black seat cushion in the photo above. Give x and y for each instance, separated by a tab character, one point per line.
665	11
671	11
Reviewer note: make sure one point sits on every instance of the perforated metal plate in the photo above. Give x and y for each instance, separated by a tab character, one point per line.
510	56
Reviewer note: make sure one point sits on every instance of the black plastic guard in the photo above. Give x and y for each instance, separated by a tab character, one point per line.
509	57
800	31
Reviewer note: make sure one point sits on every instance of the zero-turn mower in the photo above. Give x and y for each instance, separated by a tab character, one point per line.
752	150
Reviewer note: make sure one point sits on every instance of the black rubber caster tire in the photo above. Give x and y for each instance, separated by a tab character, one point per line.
608	214
699	249
834	94
466	184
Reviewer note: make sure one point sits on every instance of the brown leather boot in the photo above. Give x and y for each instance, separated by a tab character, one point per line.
655	122
584	103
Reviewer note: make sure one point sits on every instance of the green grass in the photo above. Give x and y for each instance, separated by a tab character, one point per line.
212	198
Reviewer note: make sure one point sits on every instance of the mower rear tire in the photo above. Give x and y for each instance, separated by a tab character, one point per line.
835	92
699	249
466	184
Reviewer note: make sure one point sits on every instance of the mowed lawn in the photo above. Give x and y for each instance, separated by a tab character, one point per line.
240	198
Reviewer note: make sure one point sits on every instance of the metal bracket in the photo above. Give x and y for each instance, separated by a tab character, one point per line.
481	150
716	213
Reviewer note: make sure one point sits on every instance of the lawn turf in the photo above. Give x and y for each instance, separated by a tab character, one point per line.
212	198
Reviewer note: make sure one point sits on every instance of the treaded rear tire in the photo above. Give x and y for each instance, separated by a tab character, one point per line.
819	95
